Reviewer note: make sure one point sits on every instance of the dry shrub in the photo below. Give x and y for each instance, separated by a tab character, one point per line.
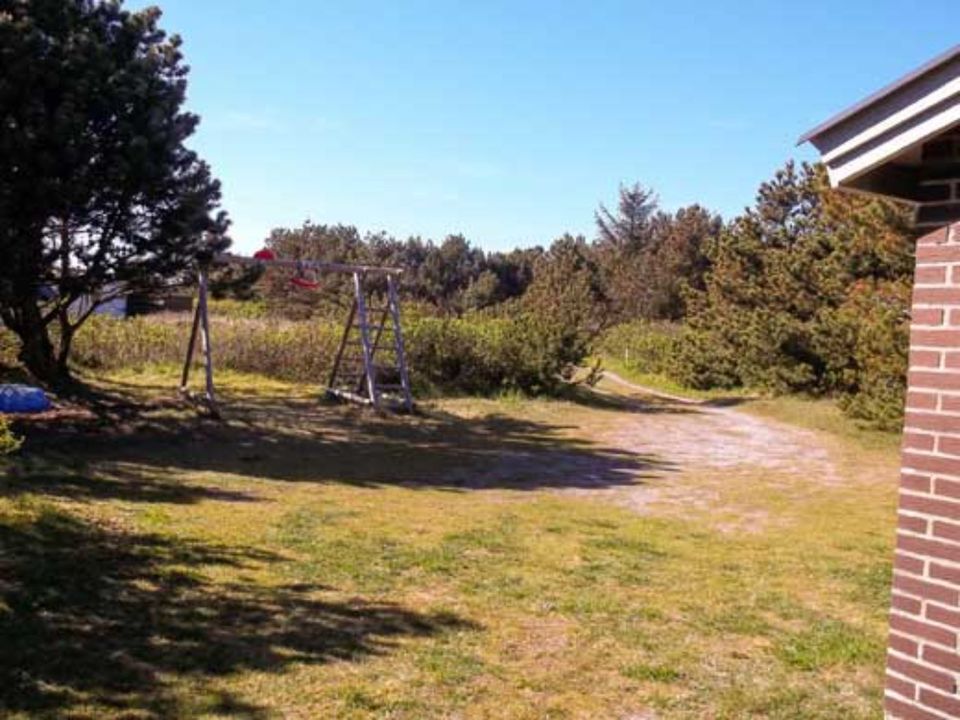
297	351
475	354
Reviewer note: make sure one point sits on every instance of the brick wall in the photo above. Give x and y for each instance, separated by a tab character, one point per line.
923	665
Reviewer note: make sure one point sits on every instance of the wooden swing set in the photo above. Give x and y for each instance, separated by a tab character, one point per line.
370	366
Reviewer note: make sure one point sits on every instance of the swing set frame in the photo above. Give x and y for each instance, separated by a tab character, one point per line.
359	334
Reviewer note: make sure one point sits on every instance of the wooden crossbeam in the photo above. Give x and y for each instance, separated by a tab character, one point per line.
318	265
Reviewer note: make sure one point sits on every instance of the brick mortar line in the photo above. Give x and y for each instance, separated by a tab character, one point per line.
920	471
929	581
915	703
919	516
921	662
936	434
903	678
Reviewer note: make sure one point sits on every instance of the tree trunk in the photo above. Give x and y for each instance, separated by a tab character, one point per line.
63	354
37	351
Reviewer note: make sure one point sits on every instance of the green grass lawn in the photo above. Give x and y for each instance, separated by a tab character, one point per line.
302	560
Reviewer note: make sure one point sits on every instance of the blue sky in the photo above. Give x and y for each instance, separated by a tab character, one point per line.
510	121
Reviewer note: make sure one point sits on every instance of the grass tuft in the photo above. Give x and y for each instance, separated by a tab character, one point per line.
829	643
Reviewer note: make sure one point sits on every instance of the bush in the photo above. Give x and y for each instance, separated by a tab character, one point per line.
703	363
9	443
644	347
874	381
480	354
295	351
474	354
248	309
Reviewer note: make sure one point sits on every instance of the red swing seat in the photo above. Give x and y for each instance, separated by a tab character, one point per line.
300	280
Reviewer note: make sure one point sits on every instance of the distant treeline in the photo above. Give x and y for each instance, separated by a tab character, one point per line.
806	291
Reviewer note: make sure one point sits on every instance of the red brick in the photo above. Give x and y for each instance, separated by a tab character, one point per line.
904	645
930	486
908	564
942	658
943	615
929	505
931	463
921	546
925	590
935	700
912	524
937	253
923	630
946	531
925	675
943	572
901	710
949	446
947	488
922	400
937	237
900	687
917	483
919	441
930	275
927	316
932	421
937	295
924	358
905	604
928	379
937	338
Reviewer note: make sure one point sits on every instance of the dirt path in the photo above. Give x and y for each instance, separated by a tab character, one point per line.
715	457
663	455
700	435
649	391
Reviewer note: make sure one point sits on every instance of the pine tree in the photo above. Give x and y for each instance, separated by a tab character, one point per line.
807	292
98	194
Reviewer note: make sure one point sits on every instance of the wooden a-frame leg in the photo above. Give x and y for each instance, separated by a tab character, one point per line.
399	350
368	369
205	344
191	346
201	327
344	338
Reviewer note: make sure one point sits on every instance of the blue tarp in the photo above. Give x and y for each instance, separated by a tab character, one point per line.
22	399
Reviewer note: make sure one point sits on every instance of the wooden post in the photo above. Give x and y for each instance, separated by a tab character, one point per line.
344	339
368	369
393	300
191	345
201	326
374	346
205	344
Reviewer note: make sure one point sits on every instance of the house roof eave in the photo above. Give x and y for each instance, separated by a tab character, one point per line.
942	59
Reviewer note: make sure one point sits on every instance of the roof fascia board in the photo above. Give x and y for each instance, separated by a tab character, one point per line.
910	78
900	117
897	143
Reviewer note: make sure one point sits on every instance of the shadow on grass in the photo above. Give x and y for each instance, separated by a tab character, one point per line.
96	620
139	451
